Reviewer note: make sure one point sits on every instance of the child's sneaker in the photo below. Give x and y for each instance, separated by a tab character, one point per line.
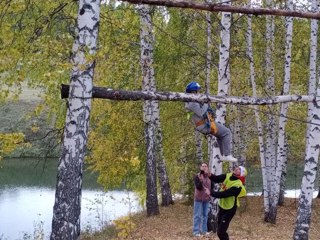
228	158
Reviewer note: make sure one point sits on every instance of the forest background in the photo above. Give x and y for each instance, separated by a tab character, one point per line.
36	40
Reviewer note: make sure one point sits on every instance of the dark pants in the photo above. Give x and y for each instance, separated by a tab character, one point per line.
224	219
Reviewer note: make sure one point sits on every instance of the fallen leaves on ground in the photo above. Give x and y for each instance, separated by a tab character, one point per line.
175	222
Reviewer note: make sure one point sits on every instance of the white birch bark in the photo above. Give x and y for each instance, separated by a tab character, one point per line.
283	179
224	8
184	177
119	95
270	154
211	140
281	148
239	134
199	153
307	186
166	195
67	206
149	108
312	150
313	62
256	112
223	87
207	84
223	71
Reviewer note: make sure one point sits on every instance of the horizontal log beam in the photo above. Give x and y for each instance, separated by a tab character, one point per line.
216	7
107	93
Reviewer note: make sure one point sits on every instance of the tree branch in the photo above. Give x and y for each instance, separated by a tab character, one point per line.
107	93
213	7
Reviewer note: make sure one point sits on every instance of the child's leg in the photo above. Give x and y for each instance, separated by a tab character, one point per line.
220	144
224	139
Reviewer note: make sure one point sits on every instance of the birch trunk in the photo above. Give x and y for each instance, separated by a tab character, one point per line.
67	206
213	7
307	186
318	196
312	149
184	177
121	95
212	222
223	87
223	71
313	63
166	194
284	175
212	142
149	108
270	155
256	112
281	149
211	139
199	153
239	134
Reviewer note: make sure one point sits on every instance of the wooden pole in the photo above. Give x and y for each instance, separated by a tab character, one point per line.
216	7
107	93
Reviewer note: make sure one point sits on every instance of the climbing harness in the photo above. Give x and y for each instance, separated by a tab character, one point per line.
212	123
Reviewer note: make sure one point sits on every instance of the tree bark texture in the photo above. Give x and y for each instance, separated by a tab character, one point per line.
270	154
313	62
67	206
312	151
249	53
212	7
123	95
223	87
149	108
281	148
199	152
309	175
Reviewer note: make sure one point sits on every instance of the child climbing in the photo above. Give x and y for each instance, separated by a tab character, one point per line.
203	119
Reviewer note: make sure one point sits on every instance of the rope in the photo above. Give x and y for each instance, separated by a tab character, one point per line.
280	115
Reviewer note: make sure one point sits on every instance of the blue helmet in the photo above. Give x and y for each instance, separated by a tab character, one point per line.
193	86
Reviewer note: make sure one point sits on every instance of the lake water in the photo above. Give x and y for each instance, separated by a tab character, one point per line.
27	212
27	192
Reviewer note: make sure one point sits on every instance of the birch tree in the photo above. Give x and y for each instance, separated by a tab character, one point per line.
312	149
212	151
270	153
313	63
198	135
160	159
223	73
249	54
166	194
281	148
240	135
149	108
223	87
310	168
67	206
199	141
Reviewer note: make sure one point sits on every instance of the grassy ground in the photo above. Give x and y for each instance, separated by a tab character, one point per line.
175	222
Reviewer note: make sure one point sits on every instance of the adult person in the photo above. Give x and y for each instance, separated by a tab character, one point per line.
201	201
231	189
203	119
